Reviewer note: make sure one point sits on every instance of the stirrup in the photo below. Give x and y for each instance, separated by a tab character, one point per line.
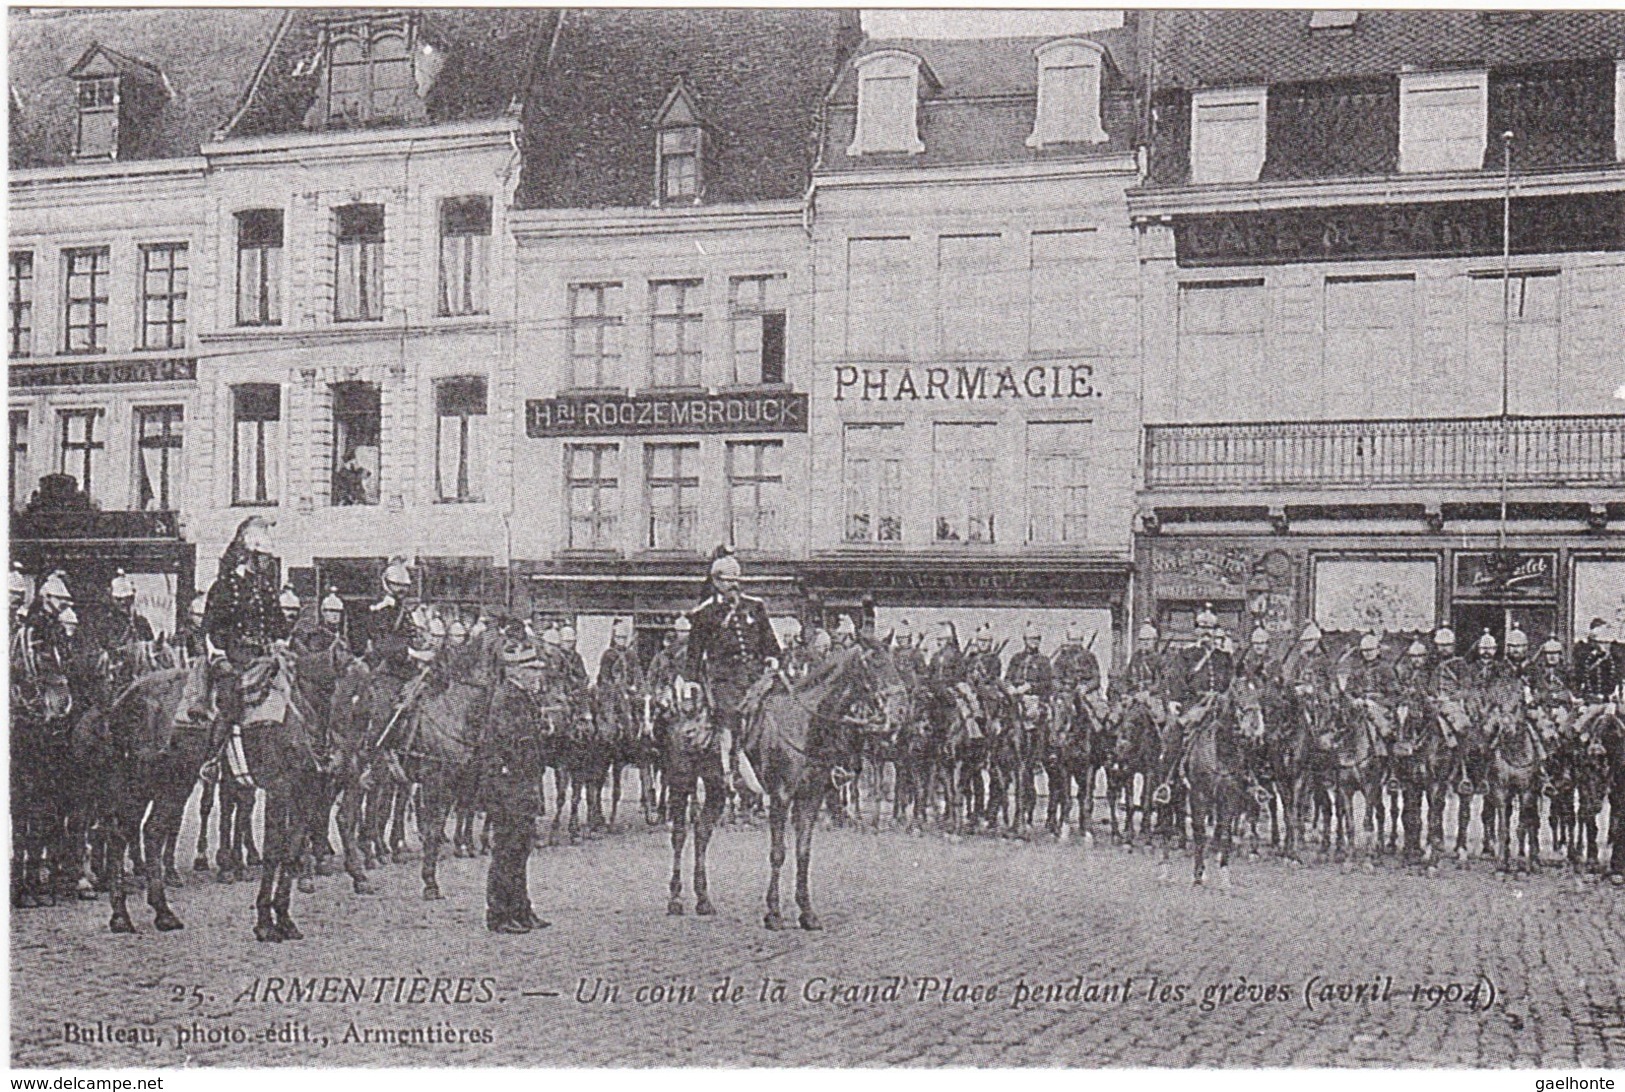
1163	794
1261	795
840	777
1465	787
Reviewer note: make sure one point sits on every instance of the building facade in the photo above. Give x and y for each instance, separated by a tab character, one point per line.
975	396
1357	410
665	349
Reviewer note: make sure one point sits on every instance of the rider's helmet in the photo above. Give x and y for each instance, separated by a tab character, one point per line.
1517	642
845	629
19	585
332	608
1598	631
1031	635
567	635
397	577
55	592
1417	651
69	618
1370	646
903	634
620	632
725	572
550	635
122	590
984	637
1444	639
681	626
1553	651
1146	636
289	602
456	633
1260	639
1487	644
1310	634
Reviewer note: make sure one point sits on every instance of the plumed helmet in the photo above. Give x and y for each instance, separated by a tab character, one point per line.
1552	645
682	624
1207	619
550	636
55	587
567	634
68	617
1261	636
1417	649
19	581
122	587
1487	643
726	566
289	599
1445	637
457	629
1370	643
437	626
518	654
397	573
1517	639
332	602
845	627
1148	632
1311	632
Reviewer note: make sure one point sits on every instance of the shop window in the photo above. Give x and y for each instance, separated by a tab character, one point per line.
158	456
257	423
1058	482
676	332
878	288
1068	94
259	267
19	481
755	493
596	326
81	447
756	314
163	296
358	423
89	271
1227	134
964	457
359	283
672	494
872	475
465	244
1443	121
22	303
460	412
592	479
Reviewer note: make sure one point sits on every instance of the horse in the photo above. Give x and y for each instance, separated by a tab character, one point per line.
1074	747
795	741
44	708
693	758
1214	771
1516	755
1333	761
1472	770
1136	749
586	753
1418	754
1577	763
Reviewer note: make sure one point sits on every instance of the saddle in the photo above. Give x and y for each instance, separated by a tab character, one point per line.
266	698
750	706
970	709
197	695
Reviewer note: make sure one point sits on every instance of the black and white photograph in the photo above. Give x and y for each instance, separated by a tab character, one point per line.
811	538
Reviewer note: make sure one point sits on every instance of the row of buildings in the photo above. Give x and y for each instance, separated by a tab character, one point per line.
1204	307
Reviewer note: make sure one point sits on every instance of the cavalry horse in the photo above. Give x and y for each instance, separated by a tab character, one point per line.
1215	772
43	788
1075	745
1337	758
1577	764
692	759
796	740
1417	758
1136	749
1516	755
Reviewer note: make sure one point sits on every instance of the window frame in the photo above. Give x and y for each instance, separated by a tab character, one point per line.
469	461
114	99
268	259
884	447
369	290
1413	85
951	478
682	484
1204	169
762	481
344	429
267	456
600	322
87	448
474	282
1053	122
1057	451
98	305
689	331
764	306
665	156
880	66
171	438
366	33
603	515
175	300
20	325
19	423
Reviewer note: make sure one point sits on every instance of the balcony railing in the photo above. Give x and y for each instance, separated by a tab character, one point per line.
1365	454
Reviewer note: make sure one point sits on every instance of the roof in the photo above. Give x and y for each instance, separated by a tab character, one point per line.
981	102
756	77
1235	47
206	55
487	57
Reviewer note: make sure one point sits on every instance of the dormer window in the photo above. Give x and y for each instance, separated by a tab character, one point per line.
888	97
1227	134
1443	121
1068	94
679	150
370	72
1333	22
98	118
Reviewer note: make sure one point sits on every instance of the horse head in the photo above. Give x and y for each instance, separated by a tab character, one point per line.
1247	708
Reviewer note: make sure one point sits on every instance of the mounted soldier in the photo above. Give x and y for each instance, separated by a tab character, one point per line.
241	618
1547	677
985	674
1200	672
576	680
846	631
731	647
1308	669
291	605
618	669
1518	660
510	787
910	656
1076	669
1486	675
1596	675
124	625
1030	671
668	663
1142	676
1255	661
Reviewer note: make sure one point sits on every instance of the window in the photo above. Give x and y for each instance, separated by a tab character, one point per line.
680	164
163	296
259	267
1331	21
755	493
358	424
1443	121
1068	94
756	313
80	446
369	71
972	311
157	457
595	336
888	92
460	408
88	275
672	492
22	303
1221	345
1370	331
592	478
877	299
1064	284
872	473
964	457
465	242
1058	482
19	480
1227	134
676	331
1533	343
97	136
359	288
256	417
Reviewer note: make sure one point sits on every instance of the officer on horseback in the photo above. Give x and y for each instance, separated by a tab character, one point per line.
669	663
124	625
1596	675
241	618
510	768
1201	671
731	647
1255	664
1075	666
1029	671
618	668
389	621
1308	670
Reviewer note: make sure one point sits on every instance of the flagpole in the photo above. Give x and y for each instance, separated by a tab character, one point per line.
1506	326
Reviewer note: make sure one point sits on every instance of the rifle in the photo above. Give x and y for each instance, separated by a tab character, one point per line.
409	695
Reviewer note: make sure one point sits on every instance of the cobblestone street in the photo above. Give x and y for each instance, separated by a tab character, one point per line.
980	926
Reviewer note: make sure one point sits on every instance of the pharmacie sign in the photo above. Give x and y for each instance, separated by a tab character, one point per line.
643	414
966	383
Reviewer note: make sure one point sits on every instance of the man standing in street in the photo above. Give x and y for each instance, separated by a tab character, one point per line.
510	780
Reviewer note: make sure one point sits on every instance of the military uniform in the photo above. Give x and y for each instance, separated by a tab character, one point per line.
729	648
664	668
242	617
1200	671
619	671
510	772
1596	676
1548	683
1373	680
1076	668
1311	670
1030	669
